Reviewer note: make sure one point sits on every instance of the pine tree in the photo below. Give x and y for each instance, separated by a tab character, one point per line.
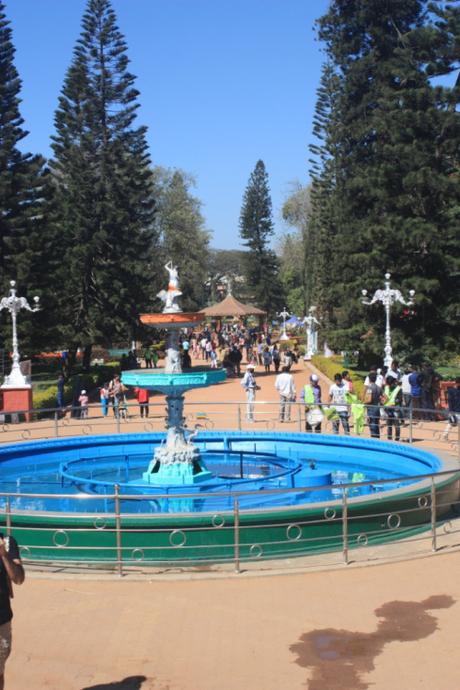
103	189
256	229
21	183
394	184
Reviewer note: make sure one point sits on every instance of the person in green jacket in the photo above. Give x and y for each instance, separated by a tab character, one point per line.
392	401
148	356
311	396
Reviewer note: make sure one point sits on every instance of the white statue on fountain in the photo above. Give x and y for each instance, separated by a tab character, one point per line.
170	295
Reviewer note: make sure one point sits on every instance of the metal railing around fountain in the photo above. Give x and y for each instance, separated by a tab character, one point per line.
113	535
415	425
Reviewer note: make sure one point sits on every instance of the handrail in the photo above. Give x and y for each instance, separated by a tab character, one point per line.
227	494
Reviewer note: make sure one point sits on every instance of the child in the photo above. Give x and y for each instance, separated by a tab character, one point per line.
83	400
123	407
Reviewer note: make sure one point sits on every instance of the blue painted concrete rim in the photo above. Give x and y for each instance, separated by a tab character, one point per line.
431	464
431	461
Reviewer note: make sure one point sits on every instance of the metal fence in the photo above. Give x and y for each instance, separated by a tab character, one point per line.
437	428
115	535
245	546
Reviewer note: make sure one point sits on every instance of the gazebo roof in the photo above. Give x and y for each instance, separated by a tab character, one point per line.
232	307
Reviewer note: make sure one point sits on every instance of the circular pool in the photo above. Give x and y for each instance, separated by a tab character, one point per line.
268	495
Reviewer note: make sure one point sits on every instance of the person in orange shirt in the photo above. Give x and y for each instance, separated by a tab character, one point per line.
142	396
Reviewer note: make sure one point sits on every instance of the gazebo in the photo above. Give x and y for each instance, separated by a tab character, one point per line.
232	307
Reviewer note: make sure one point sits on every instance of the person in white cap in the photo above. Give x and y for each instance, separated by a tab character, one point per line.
83	400
249	384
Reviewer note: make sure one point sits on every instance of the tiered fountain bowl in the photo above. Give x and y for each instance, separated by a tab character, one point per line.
178	461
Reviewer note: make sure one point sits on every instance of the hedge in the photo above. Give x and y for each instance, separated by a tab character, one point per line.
47	397
334	365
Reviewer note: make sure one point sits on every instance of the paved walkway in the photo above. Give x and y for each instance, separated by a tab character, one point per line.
380	627
390	626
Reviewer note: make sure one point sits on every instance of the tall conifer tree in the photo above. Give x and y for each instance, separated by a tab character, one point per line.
183	237
21	184
256	230
394	185
20	173
104	202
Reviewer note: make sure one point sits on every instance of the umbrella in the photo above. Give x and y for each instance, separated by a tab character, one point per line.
294	321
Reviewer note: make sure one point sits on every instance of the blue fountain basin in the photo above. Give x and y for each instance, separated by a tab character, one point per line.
159	380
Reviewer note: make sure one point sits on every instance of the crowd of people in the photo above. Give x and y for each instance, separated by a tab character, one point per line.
391	395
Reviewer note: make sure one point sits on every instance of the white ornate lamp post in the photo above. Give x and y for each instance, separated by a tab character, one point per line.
284	315
16	378
388	297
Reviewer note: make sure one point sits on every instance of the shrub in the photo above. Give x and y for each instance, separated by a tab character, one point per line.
47	397
334	365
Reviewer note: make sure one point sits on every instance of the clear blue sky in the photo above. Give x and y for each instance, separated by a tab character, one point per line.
222	83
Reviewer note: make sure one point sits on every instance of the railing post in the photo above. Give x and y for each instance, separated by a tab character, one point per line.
458	437
345	526
56	427
118	529
299	415
236	522
117	417
8	515
433	515
239	417
411	417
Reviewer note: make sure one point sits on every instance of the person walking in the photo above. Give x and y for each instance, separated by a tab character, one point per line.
415	379
287	359
83	400
142	397
346	378
337	396
406	391
260	353
115	393
105	397
148	357
394	370
208	349
60	391
453	403
284	384
428	383
267	360
372	398
392	401
11	572
249	384
311	396
276	357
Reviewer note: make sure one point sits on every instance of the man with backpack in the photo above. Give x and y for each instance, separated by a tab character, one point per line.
392	401
372	401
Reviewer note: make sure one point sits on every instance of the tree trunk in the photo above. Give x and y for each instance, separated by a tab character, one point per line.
72	350
87	357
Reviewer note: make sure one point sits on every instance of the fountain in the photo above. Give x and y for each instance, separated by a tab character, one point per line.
187	497
178	461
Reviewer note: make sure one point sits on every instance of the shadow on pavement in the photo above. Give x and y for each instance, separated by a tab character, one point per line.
129	683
